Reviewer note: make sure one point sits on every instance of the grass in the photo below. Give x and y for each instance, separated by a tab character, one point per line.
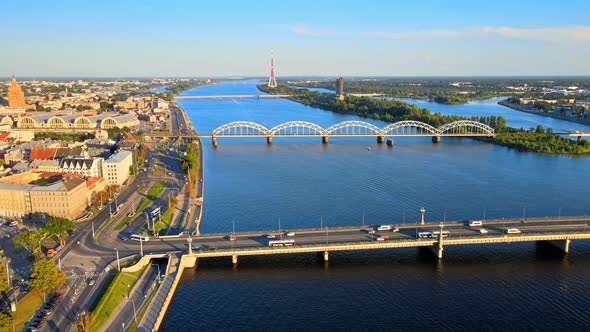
155	191
140	187
114	295
26	307
123	223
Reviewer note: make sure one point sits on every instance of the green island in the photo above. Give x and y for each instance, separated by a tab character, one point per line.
531	139
440	90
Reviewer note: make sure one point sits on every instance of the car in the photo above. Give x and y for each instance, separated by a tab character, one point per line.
371	231
290	234
195	247
91	282
270	236
483	231
124	239
395	230
475	223
212	248
380	239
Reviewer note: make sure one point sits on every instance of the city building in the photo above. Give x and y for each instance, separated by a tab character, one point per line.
116	168
57	120
67	198
87	167
16	96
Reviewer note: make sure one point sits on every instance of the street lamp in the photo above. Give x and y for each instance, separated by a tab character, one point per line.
422	211
118	263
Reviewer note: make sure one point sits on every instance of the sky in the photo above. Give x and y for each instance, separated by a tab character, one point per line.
173	38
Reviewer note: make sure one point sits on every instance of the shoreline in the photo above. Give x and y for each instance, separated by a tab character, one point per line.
549	115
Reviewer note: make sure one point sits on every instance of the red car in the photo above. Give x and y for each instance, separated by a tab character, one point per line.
124	239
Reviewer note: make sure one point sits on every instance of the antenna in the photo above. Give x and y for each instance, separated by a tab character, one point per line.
272	83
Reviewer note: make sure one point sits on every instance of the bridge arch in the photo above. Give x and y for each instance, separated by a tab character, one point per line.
409	128
352	128
466	127
297	128
243	128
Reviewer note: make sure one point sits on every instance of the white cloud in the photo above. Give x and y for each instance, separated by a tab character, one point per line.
548	34
562	34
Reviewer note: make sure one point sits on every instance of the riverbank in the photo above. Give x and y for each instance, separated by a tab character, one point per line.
520	108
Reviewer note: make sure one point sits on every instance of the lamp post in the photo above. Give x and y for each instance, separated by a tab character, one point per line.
141	247
118	262
422	211
190	246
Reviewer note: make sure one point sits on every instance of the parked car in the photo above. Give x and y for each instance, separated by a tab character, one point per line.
124	239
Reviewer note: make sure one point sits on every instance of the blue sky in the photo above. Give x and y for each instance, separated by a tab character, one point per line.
350	38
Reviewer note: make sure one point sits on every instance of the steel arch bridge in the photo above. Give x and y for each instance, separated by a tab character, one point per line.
461	128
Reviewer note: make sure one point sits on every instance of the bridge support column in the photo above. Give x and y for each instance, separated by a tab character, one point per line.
380	139
435	139
325	139
390	142
562	244
326	256
580	138
234	259
440	248
268	139
214	141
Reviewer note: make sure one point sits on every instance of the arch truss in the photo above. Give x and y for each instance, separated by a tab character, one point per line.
354	128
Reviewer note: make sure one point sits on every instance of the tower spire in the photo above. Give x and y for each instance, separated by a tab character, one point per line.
272	83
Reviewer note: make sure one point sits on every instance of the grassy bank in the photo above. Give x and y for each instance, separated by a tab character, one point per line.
115	294
26	307
155	191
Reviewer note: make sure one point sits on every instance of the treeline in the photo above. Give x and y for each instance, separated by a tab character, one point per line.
378	109
191	163
80	137
532	139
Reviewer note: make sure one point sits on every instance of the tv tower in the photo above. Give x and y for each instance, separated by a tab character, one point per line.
272	82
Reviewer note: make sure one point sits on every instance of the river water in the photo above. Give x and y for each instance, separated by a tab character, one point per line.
510	287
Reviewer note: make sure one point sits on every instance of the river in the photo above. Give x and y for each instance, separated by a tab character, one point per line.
513	287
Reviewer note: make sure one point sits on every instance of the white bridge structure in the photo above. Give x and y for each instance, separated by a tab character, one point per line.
461	128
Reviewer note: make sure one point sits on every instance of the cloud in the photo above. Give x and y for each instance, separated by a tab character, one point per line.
548	34
562	34
418	34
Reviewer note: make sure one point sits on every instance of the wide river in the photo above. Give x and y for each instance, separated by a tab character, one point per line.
252	184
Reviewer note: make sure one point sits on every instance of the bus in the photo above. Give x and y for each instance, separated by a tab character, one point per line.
424	235
444	234
137	237
155	213
281	243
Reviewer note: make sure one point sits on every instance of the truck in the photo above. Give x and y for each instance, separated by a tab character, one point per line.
52	251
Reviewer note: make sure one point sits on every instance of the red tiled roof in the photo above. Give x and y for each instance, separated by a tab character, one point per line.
129	138
42	153
3	135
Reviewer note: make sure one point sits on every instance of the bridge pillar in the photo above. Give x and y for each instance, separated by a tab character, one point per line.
580	138
234	259
380	139
562	244
325	139
268	139
326	256
390	142
435	139
214	141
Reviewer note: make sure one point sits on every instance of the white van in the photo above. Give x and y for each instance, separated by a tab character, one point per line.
475	223
384	228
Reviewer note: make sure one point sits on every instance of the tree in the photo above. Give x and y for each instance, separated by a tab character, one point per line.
84	322
45	274
540	129
30	241
4	285
5	321
58	227
549	130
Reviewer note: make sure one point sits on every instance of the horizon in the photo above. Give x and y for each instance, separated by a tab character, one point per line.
456	38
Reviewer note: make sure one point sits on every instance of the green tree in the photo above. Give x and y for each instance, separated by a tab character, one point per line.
58	227
540	129
45	274
30	241
549	130
5	321
4	286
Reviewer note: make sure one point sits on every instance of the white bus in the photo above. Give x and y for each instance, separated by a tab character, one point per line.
281	243
137	237
444	234
424	235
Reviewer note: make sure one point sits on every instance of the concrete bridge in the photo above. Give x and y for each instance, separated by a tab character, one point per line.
249	96
559	232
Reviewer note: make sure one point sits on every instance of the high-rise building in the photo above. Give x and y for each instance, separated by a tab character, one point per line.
16	97
340	88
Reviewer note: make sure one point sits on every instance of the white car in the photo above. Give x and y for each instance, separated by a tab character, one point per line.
270	236
483	231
